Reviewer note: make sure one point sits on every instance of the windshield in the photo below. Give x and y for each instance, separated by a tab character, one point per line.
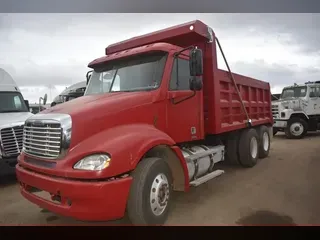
12	102
138	73
294	92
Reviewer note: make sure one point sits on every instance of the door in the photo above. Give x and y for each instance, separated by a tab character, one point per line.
314	101
184	107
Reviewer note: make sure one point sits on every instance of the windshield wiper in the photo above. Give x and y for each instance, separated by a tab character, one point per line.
137	89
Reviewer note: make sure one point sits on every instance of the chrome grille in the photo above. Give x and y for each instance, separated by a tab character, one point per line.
42	139
275	110
11	140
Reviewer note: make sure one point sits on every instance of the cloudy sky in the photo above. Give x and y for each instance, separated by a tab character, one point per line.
44	53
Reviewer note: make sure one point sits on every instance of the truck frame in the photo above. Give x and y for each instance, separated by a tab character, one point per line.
298	110
157	116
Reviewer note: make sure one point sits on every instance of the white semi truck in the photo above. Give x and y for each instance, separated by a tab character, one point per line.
298	110
14	110
73	91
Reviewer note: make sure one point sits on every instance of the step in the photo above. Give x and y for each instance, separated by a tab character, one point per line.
206	178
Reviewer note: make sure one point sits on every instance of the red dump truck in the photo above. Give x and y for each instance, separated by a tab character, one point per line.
157	116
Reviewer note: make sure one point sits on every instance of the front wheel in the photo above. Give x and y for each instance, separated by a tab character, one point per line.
296	128
150	193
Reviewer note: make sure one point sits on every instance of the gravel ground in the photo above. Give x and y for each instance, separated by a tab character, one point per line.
281	189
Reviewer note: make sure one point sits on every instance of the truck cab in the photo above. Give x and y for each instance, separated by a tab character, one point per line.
298	110
14	110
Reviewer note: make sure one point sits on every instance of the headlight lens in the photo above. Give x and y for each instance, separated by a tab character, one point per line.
94	162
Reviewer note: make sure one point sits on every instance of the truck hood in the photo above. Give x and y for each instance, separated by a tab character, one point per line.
296	104
95	113
100	104
13	119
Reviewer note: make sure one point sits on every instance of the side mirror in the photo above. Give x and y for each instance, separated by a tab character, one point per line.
45	98
27	104
196	62
195	83
88	76
53	104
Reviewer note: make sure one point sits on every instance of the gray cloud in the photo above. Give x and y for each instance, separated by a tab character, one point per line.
38	49
159	6
276	74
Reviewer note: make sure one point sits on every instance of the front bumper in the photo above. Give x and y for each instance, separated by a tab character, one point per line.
7	166
79	199
280	123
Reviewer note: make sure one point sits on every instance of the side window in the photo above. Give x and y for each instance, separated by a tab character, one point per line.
17	102
184	75
314	92
318	91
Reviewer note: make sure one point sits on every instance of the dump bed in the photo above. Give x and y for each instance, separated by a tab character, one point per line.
223	111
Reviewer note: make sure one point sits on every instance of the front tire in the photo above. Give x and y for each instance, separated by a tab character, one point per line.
150	193
249	148
275	131
296	129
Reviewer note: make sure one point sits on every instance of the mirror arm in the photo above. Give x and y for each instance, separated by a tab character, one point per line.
184	49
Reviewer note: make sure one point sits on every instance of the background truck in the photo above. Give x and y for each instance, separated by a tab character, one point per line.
14	110
74	91
36	108
275	96
298	110
157	116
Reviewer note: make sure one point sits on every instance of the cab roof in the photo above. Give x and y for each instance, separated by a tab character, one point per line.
182	35
179	35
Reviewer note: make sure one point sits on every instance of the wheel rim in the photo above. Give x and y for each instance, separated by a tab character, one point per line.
159	194
265	141
254	147
296	129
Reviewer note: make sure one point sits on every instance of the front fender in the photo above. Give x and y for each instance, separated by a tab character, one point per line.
126	144
290	113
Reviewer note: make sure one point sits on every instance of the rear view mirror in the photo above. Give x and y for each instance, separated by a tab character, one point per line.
196	62
195	84
45	98
27	104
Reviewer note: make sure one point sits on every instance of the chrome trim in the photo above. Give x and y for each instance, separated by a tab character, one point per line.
275	110
15	142
54	129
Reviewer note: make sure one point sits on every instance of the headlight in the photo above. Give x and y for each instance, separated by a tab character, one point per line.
93	162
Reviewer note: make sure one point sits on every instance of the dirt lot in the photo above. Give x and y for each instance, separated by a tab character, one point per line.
282	189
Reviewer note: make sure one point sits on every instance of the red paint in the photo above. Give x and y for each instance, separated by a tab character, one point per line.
184	167
90	200
122	124
126	143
